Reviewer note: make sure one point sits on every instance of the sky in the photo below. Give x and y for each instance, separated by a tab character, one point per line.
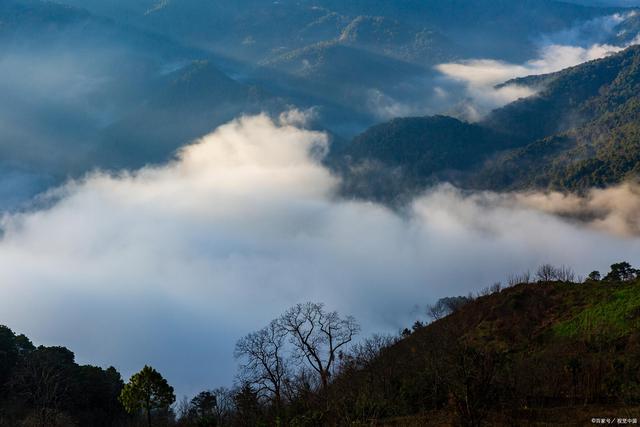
170	265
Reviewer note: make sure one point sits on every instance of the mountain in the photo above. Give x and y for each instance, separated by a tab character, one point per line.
31	14
185	105
482	28
584	126
336	73
628	30
82	91
133	94
32	22
396	40
361	62
410	153
226	26
580	130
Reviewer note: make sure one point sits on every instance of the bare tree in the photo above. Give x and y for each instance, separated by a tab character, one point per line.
546	273
490	290
518	279
183	409
224	404
263	363
496	288
565	274
484	292
436	311
550	273
43	380
471	379
368	350
301	386
448	305
318	336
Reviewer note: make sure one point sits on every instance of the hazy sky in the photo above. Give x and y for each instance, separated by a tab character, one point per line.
170	265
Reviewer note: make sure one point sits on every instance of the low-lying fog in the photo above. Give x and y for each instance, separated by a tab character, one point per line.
176	262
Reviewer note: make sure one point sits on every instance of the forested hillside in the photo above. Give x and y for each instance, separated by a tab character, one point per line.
546	349
580	130
44	386
551	352
585	125
411	153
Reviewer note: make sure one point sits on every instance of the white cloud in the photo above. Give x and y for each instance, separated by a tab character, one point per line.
170	265
385	107
298	118
614	209
479	77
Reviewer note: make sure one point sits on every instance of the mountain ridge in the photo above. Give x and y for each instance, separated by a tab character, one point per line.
580	130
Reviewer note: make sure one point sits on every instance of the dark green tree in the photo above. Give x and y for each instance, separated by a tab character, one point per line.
247	406
203	409
12	347
622	272
97	400
594	276
147	391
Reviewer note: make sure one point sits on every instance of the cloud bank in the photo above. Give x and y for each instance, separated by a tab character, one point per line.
170	265
614	210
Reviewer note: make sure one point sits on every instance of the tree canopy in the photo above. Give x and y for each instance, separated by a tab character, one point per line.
147	391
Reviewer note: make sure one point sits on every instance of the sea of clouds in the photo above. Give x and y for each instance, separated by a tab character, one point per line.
170	265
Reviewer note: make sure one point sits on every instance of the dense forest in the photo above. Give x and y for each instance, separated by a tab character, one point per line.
544	347
578	132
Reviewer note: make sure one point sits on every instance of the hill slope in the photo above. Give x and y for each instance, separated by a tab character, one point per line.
508	358
405	154
584	126
185	105
580	130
